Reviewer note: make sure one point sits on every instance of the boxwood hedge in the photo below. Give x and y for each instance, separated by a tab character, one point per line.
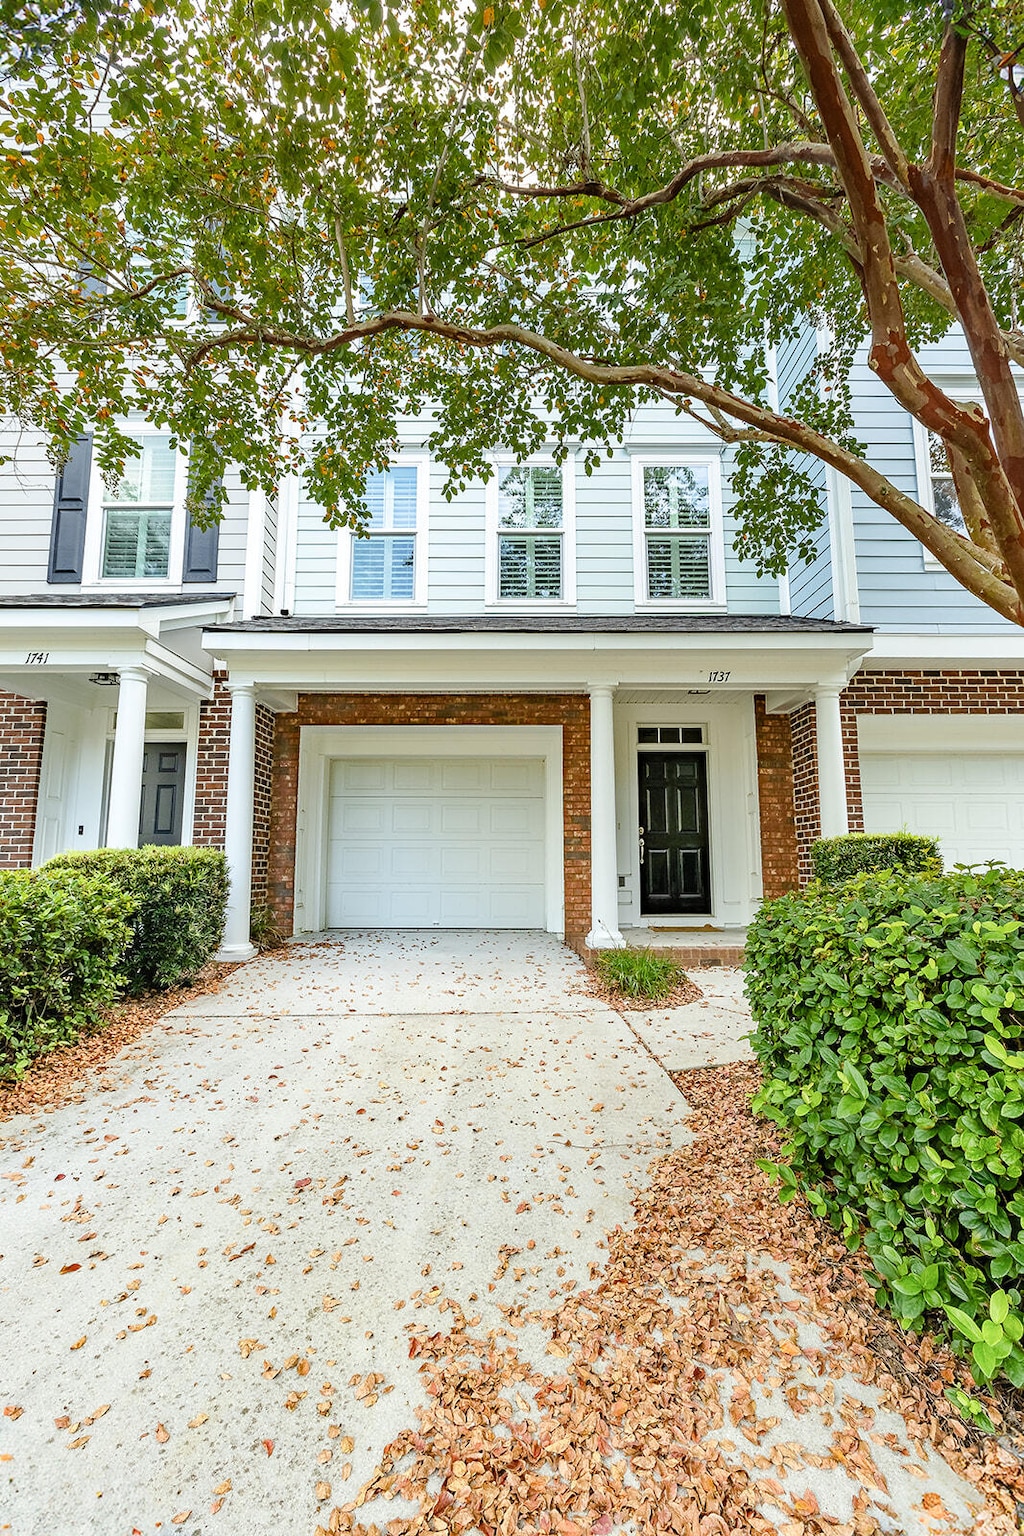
889	1020
62	941
178	896
835	859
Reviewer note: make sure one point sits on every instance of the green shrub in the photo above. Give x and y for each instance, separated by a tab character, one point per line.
179	896
63	937
639	972
835	859
890	1027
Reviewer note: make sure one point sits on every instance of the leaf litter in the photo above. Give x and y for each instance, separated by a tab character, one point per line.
711	1312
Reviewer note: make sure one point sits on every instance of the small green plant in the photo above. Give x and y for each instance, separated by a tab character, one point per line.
263	929
836	859
993	1339
639	973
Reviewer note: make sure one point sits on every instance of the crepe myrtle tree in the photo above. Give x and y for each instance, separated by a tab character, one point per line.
276	226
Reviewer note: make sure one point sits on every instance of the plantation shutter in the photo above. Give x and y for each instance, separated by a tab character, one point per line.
70	506
201	547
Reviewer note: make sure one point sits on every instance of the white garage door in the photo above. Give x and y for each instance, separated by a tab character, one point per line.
436	843
973	802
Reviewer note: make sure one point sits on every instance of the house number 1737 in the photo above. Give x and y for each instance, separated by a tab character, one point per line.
719	677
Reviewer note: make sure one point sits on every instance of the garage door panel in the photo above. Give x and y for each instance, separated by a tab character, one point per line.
358	777
973	802
413	777
359	818
442	842
412	818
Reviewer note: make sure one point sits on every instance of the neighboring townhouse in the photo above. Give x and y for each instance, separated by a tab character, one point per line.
556	701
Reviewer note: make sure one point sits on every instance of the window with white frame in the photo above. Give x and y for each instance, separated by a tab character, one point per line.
678	532
531	527
138	514
384	566
945	503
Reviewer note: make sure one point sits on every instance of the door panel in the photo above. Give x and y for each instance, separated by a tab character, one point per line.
675	851
163	793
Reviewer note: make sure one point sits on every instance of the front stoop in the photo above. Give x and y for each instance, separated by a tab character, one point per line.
692	948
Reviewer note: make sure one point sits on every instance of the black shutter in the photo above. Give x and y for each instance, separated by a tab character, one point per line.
70	506
201	548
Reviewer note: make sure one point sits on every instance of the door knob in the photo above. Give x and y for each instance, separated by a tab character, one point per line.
641	845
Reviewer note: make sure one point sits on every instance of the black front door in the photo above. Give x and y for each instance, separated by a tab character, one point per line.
675	864
163	792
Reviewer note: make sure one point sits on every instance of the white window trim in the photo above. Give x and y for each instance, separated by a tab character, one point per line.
568	535
923	469
346	538
92	558
716	534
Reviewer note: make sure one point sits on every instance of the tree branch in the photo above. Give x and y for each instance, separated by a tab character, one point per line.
864	91
972	567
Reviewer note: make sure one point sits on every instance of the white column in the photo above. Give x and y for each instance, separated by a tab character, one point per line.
238	828
604	865
831	762
126	768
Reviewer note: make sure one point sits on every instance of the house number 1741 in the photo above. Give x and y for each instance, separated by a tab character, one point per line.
719	677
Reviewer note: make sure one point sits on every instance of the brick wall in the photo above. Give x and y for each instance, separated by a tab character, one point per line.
570	711
22	725
953	692
920	693
212	768
261	807
779	867
807	813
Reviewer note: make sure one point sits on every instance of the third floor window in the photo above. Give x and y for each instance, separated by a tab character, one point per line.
530	529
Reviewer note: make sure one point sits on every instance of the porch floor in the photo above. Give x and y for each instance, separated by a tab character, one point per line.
693	946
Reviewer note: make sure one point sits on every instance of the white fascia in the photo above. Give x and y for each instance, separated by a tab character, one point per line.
915	651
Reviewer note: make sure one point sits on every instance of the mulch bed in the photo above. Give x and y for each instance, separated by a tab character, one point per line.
649	1411
60	1077
592	986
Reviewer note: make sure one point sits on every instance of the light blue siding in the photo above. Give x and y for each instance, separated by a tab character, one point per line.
457	531
898	589
810	582
26	509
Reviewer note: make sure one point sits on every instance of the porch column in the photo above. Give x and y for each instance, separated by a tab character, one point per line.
604	864
831	762
126	767
238	822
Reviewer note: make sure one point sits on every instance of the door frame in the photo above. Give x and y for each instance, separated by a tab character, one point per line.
188	735
730	747
678	749
320	745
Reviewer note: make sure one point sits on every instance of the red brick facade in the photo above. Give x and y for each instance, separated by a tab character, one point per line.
570	711
779	871
888	693
22	725
212	768
262	801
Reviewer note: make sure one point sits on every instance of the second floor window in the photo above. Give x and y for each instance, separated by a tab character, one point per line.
677	532
137	515
945	504
530	526
384	562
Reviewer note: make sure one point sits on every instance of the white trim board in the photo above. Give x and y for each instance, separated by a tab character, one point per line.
948	734
319	744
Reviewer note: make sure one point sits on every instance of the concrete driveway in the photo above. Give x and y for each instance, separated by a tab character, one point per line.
299	1161
211	1265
